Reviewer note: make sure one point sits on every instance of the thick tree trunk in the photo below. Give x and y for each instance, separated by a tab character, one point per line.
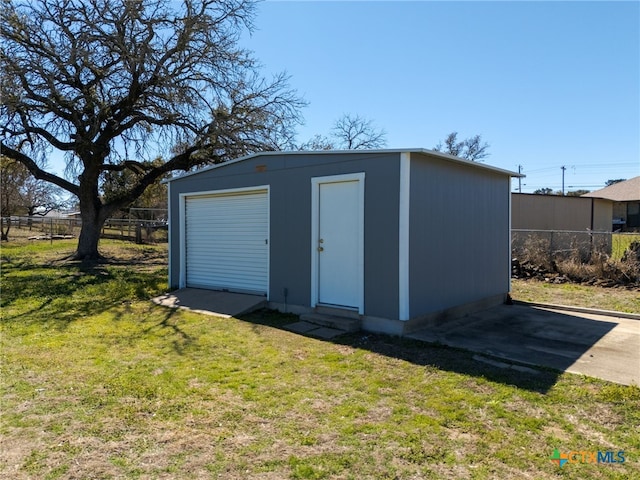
89	238
30	213
4	234
93	216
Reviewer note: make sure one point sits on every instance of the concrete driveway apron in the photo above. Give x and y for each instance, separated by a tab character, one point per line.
592	343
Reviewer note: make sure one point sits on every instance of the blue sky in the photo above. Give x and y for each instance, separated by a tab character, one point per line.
546	84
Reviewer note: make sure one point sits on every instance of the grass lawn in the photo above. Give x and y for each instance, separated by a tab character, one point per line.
97	382
618	299
620	243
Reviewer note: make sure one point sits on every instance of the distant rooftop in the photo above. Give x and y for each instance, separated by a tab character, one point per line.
627	191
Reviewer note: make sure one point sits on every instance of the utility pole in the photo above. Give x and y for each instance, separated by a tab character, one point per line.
519	179
563	169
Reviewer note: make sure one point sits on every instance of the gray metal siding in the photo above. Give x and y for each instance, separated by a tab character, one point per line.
381	217
289	179
458	236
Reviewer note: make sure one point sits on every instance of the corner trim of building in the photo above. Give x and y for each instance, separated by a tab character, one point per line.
403	236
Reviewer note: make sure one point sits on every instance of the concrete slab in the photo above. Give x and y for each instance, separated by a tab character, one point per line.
345	324
314	330
326	333
594	344
211	302
300	327
495	363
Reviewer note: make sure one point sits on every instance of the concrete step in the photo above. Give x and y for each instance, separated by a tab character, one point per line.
332	321
338	312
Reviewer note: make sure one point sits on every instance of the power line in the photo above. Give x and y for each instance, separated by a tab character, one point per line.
607	166
558	186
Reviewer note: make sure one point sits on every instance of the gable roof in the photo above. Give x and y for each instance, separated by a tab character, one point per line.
627	191
444	156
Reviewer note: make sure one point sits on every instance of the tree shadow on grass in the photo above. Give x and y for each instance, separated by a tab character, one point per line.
59	293
181	339
434	355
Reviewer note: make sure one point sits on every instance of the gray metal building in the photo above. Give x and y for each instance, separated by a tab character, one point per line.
400	237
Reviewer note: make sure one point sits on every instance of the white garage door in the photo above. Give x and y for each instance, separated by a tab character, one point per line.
227	241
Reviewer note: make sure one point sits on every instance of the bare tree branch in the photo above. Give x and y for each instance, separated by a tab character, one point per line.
356	133
114	82
36	171
349	132
471	148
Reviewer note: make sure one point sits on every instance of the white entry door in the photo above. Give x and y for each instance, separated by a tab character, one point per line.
339	241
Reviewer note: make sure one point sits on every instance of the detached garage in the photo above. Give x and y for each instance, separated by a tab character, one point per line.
395	238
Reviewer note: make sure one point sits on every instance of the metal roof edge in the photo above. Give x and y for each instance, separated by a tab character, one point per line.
464	161
423	151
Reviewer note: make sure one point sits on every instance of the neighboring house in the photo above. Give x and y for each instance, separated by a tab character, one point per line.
56	214
398	237
626	203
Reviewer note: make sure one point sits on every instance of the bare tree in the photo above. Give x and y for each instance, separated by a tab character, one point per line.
40	198
349	132
317	142
22	194
12	176
112	83
475	149
355	133
451	145
471	148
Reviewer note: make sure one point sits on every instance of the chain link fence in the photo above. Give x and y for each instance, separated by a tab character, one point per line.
562	243
613	258
574	244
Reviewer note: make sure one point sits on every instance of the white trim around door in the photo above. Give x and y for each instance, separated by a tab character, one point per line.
354	189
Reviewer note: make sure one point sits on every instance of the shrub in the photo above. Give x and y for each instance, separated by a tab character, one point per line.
536	259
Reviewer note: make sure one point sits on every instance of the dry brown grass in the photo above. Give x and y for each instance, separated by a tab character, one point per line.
535	259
